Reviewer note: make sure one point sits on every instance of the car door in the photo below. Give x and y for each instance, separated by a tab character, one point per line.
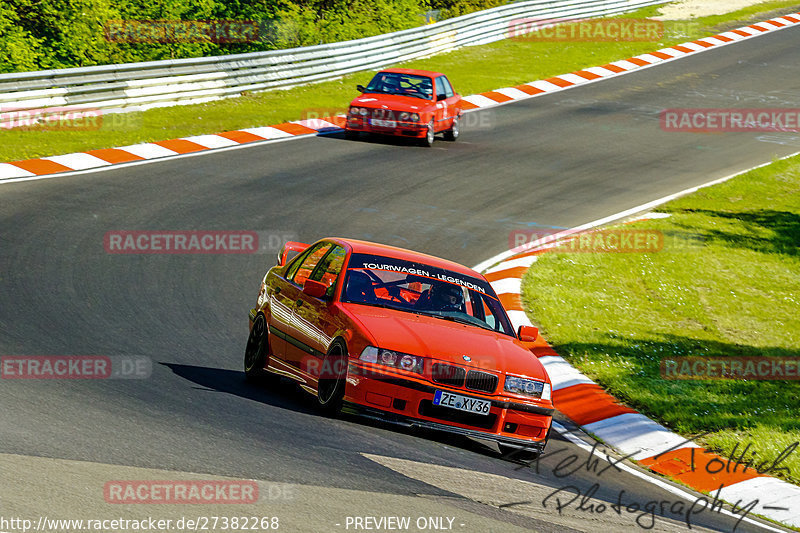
286	295
441	104
446	103
312	323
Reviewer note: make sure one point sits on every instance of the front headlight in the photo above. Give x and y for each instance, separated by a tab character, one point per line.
363	111
414	117
403	116
528	387
404	361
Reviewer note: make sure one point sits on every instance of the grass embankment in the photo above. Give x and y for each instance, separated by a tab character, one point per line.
726	283
472	70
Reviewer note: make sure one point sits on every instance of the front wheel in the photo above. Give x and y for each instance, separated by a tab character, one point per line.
350	135
429	135
255	354
452	133
330	386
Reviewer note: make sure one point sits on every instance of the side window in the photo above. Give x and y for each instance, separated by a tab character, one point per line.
489	317
298	260
327	271
307	264
448	89
441	88
482	311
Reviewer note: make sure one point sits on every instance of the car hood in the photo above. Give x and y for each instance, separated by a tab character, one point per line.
395	102
446	340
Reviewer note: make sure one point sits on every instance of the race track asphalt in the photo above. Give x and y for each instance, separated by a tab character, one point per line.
553	161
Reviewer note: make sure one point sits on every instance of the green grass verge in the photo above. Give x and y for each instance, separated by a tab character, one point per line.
726	283
472	70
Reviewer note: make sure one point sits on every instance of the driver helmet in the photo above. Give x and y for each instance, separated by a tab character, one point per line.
447	297
391	83
360	288
426	87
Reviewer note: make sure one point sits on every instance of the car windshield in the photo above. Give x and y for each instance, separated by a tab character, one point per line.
404	84
424	289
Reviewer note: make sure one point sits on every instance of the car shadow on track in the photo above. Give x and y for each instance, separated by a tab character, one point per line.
273	391
376	138
284	393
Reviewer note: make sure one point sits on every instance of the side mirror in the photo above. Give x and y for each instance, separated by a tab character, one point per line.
317	289
360	88
441	97
527	333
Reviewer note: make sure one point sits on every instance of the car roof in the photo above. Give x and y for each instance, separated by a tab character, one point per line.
365	247
413	71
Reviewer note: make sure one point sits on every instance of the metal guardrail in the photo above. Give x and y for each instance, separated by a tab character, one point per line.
139	86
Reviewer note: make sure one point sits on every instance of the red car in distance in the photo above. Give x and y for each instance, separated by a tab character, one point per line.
401	337
406	103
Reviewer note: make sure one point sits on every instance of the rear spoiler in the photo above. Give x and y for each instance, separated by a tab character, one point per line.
290	246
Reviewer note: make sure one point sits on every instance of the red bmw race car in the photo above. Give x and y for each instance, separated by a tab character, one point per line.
407	103
402	337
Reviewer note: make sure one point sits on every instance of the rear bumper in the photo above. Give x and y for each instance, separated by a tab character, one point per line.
409	402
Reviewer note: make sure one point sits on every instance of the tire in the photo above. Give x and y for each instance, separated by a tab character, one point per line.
453	132
350	135
429	135
330	387
257	350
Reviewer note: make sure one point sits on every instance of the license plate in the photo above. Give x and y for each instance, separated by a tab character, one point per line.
462	403
384	123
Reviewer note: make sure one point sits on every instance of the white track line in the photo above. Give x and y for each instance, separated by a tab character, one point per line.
654	480
492	261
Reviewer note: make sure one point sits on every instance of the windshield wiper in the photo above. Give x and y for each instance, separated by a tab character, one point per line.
470	321
376	304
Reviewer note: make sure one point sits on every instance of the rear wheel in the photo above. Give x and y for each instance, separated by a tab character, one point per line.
330	387
429	135
257	350
452	133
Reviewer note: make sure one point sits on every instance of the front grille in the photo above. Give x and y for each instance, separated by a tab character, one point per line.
386	114
448	375
481	381
426	408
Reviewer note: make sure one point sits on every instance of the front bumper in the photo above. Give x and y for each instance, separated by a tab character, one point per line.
402	129
393	418
409	402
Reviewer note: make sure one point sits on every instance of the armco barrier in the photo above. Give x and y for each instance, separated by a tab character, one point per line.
139	86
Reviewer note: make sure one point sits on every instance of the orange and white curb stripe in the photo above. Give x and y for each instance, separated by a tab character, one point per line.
609	70
161	149
586	403
96	159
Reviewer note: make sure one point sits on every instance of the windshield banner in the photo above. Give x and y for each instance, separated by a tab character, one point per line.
391	264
